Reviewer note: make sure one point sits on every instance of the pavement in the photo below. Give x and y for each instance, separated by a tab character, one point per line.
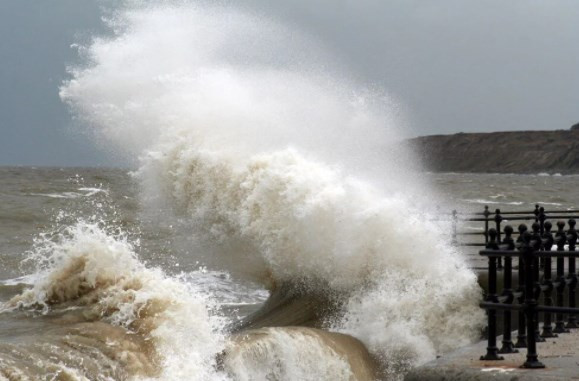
560	356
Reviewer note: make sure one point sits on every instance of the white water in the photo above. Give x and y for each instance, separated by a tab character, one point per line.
87	267
241	127
287	355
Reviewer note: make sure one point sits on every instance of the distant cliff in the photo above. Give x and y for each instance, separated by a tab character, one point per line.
502	152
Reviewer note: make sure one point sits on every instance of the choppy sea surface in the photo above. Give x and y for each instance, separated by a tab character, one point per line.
78	250
35	200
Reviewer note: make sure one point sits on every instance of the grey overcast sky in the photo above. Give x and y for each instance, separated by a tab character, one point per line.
455	65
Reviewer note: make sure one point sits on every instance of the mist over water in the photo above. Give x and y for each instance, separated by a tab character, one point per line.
279	170
235	83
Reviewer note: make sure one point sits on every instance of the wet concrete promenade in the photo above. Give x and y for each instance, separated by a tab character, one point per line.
560	356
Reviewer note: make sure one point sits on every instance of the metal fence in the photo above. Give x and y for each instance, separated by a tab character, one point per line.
497	220
532	253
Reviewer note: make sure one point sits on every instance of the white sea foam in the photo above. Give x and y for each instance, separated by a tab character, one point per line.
268	155
225	290
28	279
92	191
286	354
86	192
549	203
482	201
84	266
58	195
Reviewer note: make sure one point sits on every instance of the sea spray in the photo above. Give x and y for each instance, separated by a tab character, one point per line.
297	353
166	329
236	82
407	297
270	158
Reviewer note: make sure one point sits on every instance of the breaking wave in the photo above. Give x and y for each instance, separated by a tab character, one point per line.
104	315
288	174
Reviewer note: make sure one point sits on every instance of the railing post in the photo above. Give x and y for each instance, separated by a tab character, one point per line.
542	218
572	240
492	350
487	214
530	306
498	220
560	239
509	244
522	325
536	237
548	282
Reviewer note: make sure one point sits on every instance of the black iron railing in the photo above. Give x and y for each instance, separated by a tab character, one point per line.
533	254
497	219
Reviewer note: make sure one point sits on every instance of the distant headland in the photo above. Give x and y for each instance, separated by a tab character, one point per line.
502	152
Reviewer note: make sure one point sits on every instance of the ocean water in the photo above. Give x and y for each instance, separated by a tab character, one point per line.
470	193
96	287
39	200
273	225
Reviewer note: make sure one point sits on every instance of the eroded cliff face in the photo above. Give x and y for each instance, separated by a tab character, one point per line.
501	152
